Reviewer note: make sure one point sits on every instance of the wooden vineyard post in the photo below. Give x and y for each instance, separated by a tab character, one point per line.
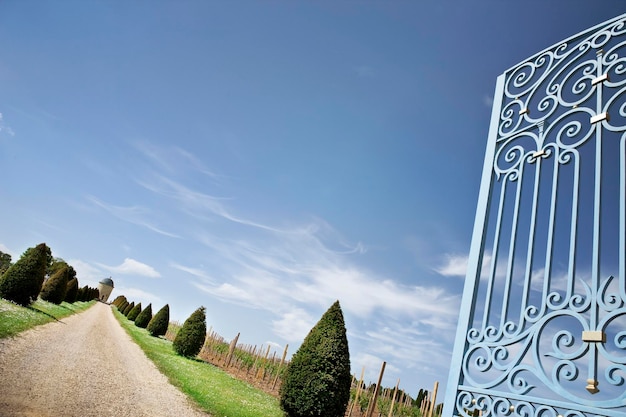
393	399
372	406
433	399
358	392
261	371
231	350
282	361
424	404
255	359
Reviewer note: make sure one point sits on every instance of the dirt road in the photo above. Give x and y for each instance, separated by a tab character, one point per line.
85	365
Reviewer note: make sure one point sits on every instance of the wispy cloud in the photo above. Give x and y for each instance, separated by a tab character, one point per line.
4	128
173	159
132	267
5	249
196	164
85	270
193	271
281	272
454	266
138	295
132	214
294	270
154	154
293	325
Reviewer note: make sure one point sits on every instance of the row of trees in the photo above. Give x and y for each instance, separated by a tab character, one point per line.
38	274
156	325
316	381
189	339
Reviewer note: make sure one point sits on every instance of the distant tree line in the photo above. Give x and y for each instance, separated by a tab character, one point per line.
39	275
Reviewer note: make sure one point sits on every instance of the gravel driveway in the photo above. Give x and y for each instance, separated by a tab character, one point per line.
84	365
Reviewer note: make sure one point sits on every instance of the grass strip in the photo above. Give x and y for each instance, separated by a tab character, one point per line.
15	319
215	391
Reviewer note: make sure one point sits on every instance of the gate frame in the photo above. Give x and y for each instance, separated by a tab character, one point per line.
479	233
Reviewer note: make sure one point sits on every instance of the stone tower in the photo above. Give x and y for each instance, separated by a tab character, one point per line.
105	286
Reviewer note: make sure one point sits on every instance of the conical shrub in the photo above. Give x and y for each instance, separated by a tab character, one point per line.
119	300
317	380
190	338
158	324
134	312
144	317
22	282
95	294
128	308
123	306
55	287
72	290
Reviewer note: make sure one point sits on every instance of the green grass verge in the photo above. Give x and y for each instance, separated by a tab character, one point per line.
15	319
212	389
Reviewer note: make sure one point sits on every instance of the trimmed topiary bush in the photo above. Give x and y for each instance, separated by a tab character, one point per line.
144	317
22	282
128	308
191	335
158	324
94	294
118	300
134	312
71	294
317	380
123	306
55	287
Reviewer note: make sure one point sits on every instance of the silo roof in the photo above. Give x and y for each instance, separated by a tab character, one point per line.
107	281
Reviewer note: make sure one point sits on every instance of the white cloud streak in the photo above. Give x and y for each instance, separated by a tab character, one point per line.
132	267
138	295
4	128
5	249
296	272
193	271
132	214
85	270
455	266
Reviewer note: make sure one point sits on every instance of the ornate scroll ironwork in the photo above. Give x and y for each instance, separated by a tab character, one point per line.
545	295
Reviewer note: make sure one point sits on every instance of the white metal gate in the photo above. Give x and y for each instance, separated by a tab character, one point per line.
542	331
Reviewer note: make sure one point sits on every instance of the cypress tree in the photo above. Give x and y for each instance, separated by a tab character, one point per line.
80	294
190	338
158	324
55	287
317	380
123	306
128	308
118	300
121	301
22	282
72	290
134	312
144	317
94	294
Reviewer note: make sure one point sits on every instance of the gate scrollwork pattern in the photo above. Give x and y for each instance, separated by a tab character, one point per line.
546	323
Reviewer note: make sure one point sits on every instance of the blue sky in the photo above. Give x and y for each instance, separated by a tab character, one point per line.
265	159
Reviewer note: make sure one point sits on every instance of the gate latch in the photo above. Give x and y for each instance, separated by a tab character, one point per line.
597	336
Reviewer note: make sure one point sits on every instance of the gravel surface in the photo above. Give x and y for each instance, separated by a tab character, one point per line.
84	365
